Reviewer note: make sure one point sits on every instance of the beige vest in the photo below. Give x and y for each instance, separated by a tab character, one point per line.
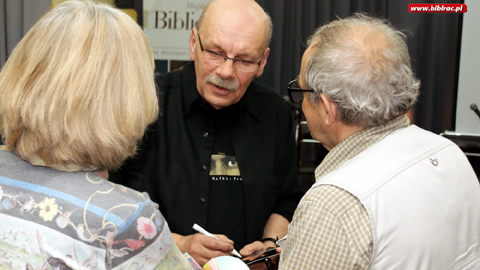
423	200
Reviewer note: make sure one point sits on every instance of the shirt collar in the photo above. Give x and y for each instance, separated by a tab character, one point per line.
191	97
356	143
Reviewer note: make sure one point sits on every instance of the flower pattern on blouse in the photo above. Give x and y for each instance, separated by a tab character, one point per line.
146	227
52	213
48	209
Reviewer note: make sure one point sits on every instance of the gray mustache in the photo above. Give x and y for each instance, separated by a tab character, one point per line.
229	85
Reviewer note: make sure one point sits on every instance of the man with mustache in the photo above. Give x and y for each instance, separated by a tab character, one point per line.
212	110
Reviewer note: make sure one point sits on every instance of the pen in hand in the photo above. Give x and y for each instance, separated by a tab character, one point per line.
201	230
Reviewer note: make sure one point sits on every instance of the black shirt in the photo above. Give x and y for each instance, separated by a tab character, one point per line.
174	160
226	184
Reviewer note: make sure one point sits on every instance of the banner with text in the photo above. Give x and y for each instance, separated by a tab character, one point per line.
168	25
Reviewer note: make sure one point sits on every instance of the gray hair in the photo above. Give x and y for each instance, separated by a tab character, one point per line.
362	64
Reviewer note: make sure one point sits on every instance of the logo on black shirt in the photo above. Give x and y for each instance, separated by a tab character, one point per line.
224	168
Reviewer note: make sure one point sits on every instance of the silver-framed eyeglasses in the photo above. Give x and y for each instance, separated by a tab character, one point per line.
217	59
295	92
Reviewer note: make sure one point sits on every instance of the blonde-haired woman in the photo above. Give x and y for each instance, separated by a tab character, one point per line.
77	94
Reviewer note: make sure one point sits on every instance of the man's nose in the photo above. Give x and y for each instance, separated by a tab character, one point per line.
227	69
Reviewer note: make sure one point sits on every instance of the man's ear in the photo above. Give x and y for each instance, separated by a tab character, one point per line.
330	110
264	62
193	40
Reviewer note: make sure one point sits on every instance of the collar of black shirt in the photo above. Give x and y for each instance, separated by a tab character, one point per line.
192	98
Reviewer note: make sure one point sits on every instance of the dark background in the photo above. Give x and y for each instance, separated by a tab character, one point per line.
433	40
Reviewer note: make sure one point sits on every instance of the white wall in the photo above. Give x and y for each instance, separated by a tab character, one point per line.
467	122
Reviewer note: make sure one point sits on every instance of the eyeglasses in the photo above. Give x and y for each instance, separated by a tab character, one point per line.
217	59
295	92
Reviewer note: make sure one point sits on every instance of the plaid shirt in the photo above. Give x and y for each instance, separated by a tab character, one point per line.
331	228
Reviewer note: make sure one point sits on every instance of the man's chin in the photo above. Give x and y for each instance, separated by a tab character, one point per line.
218	102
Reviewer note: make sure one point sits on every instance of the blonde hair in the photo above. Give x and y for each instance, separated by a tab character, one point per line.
79	88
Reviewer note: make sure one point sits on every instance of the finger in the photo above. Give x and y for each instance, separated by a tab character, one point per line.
216	245
209	254
202	248
250	248
202	261
223	238
220	253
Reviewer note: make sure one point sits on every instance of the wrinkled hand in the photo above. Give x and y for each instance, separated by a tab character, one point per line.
255	246
202	248
250	248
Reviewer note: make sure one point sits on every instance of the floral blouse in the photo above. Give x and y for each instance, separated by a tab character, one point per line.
77	220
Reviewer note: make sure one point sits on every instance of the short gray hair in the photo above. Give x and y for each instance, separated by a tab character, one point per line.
362	64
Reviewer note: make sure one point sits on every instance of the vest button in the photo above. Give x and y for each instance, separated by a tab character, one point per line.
204	167
205	134
202	199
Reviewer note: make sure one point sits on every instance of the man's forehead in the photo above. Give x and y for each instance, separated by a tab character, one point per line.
240	6
240	16
235	18
225	36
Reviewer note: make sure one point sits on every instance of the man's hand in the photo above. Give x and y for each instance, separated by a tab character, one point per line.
251	248
276	227
202	248
255	246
